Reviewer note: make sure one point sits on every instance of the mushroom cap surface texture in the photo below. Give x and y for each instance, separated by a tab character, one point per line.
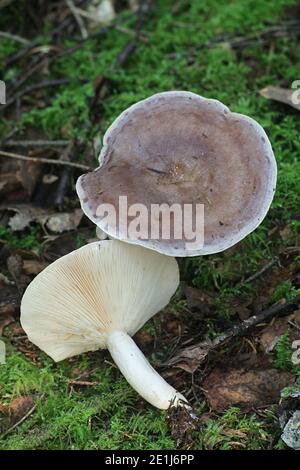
178	147
76	302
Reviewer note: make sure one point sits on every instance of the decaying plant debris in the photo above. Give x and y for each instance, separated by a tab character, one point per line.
235	317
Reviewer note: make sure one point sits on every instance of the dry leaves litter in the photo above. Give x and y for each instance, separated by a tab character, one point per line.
56	222
244	387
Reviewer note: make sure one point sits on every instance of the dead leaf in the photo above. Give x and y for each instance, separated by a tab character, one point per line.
29	174
8	183
59	246
189	359
33	266
24	214
241	308
269	336
5	320
49	178
286	233
296	354
244	387
15	267
19	407
283	95
144	339
4	409
9	302
57	222
197	298
100	12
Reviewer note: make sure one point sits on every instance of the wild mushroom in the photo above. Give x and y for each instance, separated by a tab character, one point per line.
180	148
97	297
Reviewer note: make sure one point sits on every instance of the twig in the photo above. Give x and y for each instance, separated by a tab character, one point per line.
81	382
265	268
263	35
247	325
32	409
125	53
45	160
35	143
14	37
242	329
29	89
77	18
4	3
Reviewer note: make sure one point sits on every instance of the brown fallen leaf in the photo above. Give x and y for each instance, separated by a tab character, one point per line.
241	307
4	409
144	339
18	408
15	267
190	358
270	335
283	95
24	214
11	188
29	173
34	266
8	183
244	387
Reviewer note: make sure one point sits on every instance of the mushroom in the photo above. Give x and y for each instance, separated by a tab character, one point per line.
180	148
97	297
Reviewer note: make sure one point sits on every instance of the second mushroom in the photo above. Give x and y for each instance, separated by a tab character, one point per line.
97	297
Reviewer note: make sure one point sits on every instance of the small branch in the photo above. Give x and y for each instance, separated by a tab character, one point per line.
32	409
247	325
35	143
77	18
287	29
198	353
45	160
14	37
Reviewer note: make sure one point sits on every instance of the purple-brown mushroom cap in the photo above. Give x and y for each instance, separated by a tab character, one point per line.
180	148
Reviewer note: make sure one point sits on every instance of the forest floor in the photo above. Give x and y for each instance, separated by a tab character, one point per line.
65	91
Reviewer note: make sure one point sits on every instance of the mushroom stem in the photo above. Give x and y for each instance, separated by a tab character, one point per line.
140	374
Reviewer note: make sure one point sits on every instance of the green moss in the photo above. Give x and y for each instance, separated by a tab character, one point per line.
25	240
285	291
102	416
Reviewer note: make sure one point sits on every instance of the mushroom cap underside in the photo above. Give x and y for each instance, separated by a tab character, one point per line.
77	301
